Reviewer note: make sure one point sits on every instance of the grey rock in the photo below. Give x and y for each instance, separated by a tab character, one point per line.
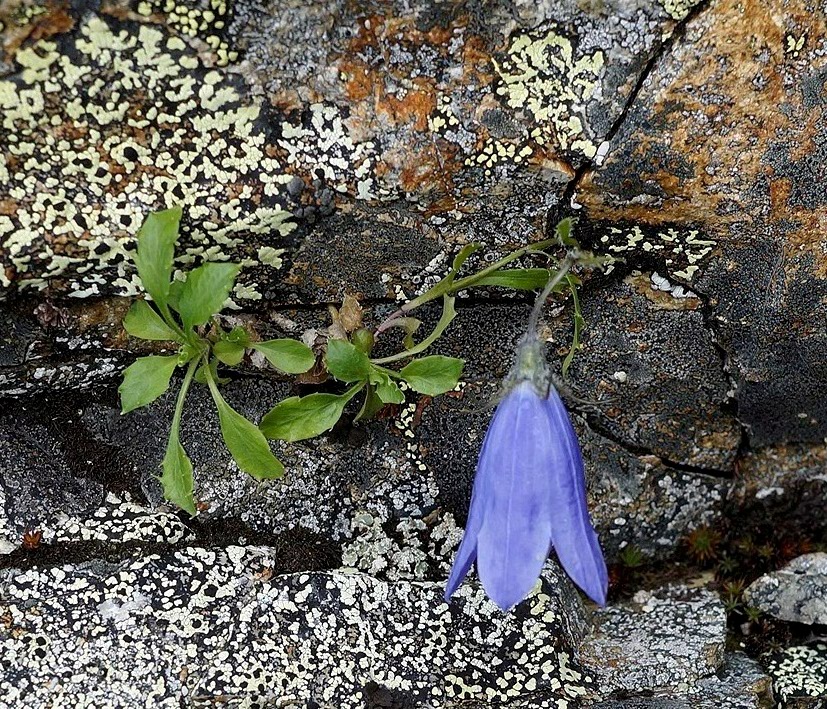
663	640
651	367
37	481
741	683
797	593
782	489
389	490
201	625
641	502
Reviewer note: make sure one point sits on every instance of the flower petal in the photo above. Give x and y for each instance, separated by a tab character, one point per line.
514	540
573	535
467	551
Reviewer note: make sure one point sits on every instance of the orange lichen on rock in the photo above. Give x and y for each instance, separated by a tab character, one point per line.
712	114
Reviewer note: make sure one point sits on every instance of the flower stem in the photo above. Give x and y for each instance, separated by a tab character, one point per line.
563	269
448	286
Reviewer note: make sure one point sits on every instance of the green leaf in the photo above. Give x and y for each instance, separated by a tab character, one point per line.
579	322
145	380
298	418
143	321
519	278
245	441
433	375
463	255
238	335
174	295
448	314
563	231
177	467
387	390
156	248
370	405
288	356
177	479
230	353
346	362
205	291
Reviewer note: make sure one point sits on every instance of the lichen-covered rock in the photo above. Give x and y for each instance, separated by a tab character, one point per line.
200	625
48	347
797	593
741	683
651	367
799	676
705	145
639	501
112	111
662	640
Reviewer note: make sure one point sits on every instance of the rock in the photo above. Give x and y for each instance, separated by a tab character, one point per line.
781	489
799	676
198	624
740	684
797	593
37	480
379	485
639	501
663	640
358	147
704	147
266	141
650	365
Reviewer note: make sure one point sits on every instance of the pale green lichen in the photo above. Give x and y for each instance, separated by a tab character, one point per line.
542	73
682	250
793	45
270	256
96	137
191	20
678	9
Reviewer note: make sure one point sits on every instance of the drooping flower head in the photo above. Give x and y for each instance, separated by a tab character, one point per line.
529	491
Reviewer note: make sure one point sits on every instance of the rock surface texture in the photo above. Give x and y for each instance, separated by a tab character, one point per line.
797	593
343	147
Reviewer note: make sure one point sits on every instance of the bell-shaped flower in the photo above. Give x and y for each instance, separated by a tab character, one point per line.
529	494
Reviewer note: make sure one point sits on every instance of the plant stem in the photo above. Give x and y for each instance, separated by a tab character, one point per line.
167	315
541	299
455	287
182	395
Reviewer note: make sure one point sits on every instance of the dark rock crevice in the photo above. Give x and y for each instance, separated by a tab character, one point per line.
298	550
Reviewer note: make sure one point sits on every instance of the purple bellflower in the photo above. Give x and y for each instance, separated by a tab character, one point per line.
529	491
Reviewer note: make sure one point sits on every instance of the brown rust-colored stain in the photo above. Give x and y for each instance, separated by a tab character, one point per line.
367	79
56	20
389	79
718	112
414	107
432	170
